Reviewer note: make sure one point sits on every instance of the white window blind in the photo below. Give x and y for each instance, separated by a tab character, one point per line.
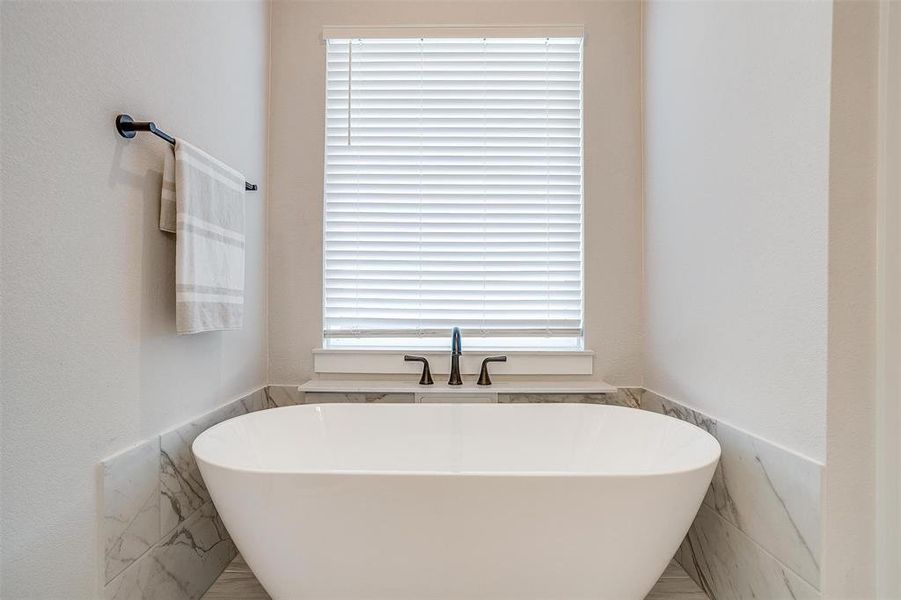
453	188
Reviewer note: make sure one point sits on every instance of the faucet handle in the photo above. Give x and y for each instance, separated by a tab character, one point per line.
426	377
484	379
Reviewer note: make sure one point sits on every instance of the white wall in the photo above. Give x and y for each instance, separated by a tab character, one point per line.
612	141
737	169
90	361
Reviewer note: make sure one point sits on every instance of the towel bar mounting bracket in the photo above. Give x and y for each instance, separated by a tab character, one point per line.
125	126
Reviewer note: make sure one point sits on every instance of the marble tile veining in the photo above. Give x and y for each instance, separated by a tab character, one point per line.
773	496
551	398
182	490
182	566
630	397
282	395
728	565
131	505
356	397
767	492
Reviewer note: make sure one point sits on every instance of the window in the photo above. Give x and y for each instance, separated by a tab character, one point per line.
453	192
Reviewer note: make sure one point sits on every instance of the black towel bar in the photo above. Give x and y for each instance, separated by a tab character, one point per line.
128	128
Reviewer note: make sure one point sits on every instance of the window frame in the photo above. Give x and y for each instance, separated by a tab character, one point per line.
334	357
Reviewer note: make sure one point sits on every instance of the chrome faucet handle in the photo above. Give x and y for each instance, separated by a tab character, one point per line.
484	379
426	377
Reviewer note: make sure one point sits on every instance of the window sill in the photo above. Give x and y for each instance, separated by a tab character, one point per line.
469	390
391	362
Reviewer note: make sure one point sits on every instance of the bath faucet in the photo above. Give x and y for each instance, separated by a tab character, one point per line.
456	351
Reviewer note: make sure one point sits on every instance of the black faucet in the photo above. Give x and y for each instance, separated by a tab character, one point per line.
456	351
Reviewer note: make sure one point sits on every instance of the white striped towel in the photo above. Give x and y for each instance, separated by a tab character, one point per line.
202	202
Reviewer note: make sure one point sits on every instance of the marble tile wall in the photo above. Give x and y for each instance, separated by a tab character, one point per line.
131	518
284	395
623	397
757	534
728	564
162	536
182	565
377	398
182	490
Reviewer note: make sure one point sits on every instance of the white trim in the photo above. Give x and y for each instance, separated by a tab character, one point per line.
388	273
888	314
391	362
570	332
453	31
440	388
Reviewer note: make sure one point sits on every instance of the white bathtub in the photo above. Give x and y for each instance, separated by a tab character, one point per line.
457	501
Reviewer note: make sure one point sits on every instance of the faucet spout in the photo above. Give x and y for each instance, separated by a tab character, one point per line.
456	351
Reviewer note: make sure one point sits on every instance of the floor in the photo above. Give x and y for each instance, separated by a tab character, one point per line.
238	583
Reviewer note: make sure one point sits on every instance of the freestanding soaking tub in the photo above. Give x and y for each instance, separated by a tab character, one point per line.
457	501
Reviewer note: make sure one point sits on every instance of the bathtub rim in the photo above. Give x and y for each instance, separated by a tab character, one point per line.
717	450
